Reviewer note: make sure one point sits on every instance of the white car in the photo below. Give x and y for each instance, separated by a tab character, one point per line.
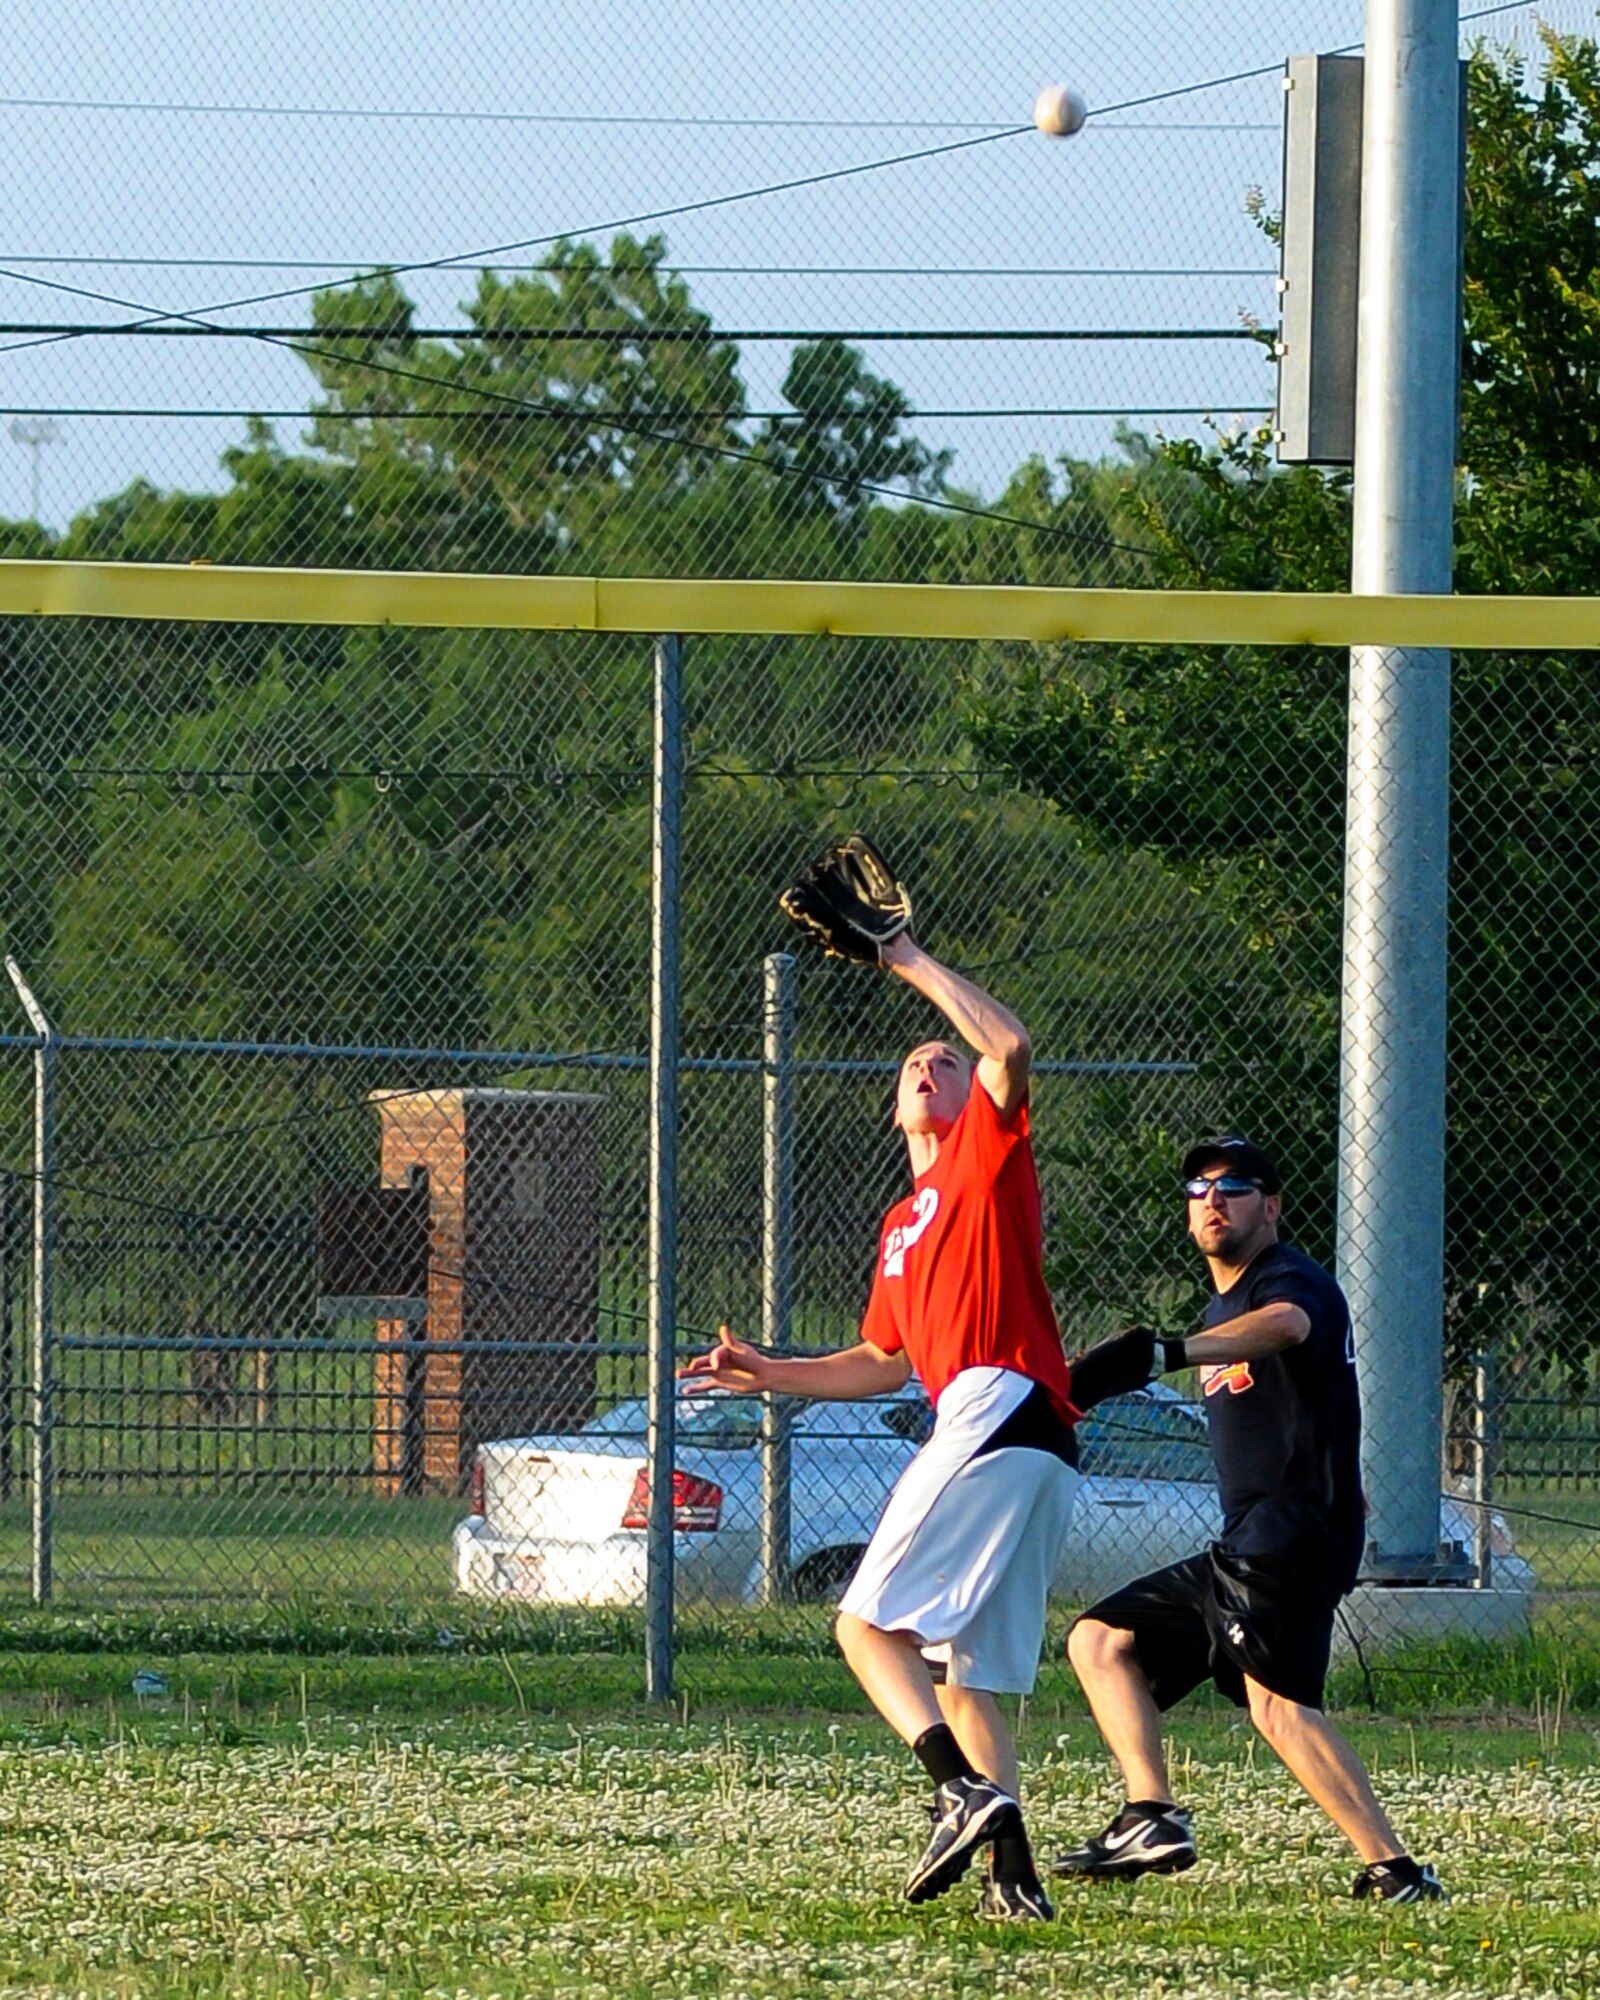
561	1519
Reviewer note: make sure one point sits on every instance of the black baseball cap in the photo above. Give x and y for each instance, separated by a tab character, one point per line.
1236	1153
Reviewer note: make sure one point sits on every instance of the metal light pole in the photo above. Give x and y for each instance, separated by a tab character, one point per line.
667	832
1392	1083
35	433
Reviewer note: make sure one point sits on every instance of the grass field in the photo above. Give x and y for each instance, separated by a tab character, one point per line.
340	1539
177	1548
517	1826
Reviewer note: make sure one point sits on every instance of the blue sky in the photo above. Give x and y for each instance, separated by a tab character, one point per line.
329	137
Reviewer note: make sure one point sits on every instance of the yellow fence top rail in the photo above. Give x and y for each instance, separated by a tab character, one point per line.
206	593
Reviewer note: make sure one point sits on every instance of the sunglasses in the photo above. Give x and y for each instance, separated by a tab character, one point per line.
1227	1185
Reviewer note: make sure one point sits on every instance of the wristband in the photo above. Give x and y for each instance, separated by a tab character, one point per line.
1174	1355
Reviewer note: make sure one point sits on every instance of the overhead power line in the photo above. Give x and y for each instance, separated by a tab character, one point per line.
709	202
1102	114
602	119
479	416
797	183
550	238
763	122
1483	13
706	448
646	432
149	315
447	115
379	264
707	335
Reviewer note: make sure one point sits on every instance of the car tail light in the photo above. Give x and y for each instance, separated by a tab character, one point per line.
476	1489
696	1504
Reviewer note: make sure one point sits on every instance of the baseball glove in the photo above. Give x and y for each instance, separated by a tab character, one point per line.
849	900
1125	1362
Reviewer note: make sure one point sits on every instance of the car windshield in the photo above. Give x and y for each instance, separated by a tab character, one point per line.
720	1423
1143	1437
733	1423
908	1417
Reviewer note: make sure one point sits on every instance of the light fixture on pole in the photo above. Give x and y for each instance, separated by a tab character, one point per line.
35	433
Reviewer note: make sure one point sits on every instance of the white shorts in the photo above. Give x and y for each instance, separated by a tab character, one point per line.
967	1544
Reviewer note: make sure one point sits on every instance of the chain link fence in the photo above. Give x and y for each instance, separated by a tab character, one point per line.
343	939
333	1172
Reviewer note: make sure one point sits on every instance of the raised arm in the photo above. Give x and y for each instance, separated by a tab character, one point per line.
1004	1051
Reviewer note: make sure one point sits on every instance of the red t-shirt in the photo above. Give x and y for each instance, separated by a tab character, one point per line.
960	1276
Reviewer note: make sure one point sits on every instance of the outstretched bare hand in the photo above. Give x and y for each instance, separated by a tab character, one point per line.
733	1364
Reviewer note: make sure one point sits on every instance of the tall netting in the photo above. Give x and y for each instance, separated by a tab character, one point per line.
343	937
674	290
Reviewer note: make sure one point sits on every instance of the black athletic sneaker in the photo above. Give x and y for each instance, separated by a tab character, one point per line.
1141	1840
966	1813
1015	1902
1400	1881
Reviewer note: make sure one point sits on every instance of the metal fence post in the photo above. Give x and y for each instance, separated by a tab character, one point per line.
667	826
8	1333
44	1090
1483	1446
777	1229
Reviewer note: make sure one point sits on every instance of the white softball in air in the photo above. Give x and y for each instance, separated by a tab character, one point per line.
1059	110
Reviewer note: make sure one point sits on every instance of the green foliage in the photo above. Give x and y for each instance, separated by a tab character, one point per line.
1530	409
843	439
554	432
1214	759
1530	414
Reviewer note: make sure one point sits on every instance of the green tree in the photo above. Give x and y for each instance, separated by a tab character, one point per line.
1530	408
846	436
552	435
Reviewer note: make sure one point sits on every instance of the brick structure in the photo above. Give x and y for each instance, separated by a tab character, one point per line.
513	1255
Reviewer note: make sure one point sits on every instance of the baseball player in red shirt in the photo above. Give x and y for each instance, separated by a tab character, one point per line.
947	1608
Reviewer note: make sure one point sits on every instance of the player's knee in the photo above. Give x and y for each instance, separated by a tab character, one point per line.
851	1635
1094	1648
1277	1719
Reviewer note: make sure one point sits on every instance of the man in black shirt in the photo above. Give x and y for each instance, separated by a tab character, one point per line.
1254	1613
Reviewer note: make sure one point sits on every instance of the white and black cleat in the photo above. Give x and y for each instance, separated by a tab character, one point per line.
1141	1840
967	1812
1400	1881
1015	1903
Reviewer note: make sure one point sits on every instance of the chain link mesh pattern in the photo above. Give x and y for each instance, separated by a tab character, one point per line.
345	935
346	940
703	281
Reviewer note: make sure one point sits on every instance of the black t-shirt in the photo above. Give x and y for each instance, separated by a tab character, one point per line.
1286	1428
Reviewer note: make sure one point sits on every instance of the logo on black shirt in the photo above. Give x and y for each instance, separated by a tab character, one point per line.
1234	1376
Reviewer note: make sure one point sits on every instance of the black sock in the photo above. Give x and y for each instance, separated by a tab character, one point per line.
940	1755
1151	1806
1401	1867
1013	1857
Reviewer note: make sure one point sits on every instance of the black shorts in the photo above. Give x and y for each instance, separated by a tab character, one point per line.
1220	1616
